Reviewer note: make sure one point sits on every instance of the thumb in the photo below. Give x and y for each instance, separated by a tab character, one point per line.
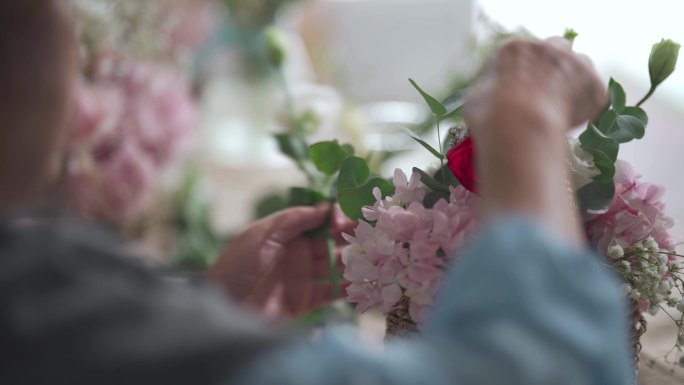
291	223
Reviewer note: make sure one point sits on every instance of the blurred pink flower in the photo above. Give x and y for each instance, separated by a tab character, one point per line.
132	119
113	186
636	213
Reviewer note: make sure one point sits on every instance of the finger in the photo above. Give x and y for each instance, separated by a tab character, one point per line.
559	42
291	223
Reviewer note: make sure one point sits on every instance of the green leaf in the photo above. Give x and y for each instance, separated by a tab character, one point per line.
593	139
605	165
570	35
607	122
662	61
353	172
353	199
423	143
301	196
596	195
435	106
293	146
269	205
432	197
444	176
628	129
327	156
636	112
431	182
349	149
617	96
455	101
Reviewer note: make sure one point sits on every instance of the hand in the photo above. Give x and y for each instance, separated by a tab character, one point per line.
519	110
543	78
272	268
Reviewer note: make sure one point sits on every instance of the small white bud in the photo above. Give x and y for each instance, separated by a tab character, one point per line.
653	310
626	288
616	252
650	244
662	269
626	265
635	295
662	258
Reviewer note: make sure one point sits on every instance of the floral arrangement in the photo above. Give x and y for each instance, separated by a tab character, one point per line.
415	226
134	112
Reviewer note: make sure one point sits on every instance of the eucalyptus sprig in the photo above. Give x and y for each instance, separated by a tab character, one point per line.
618	124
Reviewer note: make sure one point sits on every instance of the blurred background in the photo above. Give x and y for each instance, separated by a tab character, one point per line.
179	100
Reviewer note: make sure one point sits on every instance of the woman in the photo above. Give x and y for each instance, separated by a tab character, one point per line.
526	304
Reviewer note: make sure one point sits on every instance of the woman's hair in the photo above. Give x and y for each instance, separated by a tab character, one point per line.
37	63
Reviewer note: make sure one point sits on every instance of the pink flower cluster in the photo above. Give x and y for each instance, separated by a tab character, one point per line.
405	252
635	214
131	120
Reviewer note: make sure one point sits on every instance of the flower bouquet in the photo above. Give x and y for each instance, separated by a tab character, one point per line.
414	227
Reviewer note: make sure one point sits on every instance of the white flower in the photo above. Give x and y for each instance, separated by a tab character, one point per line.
626	265
635	295
626	288
581	164
650	244
616	252
665	287
662	258
662	269
653	310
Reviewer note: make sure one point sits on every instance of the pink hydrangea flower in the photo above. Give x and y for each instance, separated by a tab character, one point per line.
406	251
636	213
131	120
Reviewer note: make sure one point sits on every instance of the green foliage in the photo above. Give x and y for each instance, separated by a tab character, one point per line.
293	146
327	156
617	96
423	143
435	106
270	205
594	140
596	195
431	182
570	35
353	172
354	198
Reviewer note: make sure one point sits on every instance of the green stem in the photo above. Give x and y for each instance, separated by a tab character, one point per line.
648	95
441	150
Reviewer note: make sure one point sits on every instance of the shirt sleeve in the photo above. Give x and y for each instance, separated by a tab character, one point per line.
519	306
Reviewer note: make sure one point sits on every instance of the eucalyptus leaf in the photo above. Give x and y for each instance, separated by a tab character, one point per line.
446	177
353	199
432	197
435	106
636	112
593	139
327	156
628	129
430	182
293	146
349	149
270	205
423	143
455	101
605	165
596	195
301	196
353	172
607	122
617	96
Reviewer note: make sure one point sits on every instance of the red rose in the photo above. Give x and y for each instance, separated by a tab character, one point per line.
461	162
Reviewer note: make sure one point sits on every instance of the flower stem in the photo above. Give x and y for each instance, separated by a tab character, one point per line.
441	150
648	95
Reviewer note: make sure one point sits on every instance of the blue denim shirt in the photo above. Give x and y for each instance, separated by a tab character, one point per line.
519	307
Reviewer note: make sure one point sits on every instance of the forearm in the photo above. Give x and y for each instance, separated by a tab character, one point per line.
524	169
